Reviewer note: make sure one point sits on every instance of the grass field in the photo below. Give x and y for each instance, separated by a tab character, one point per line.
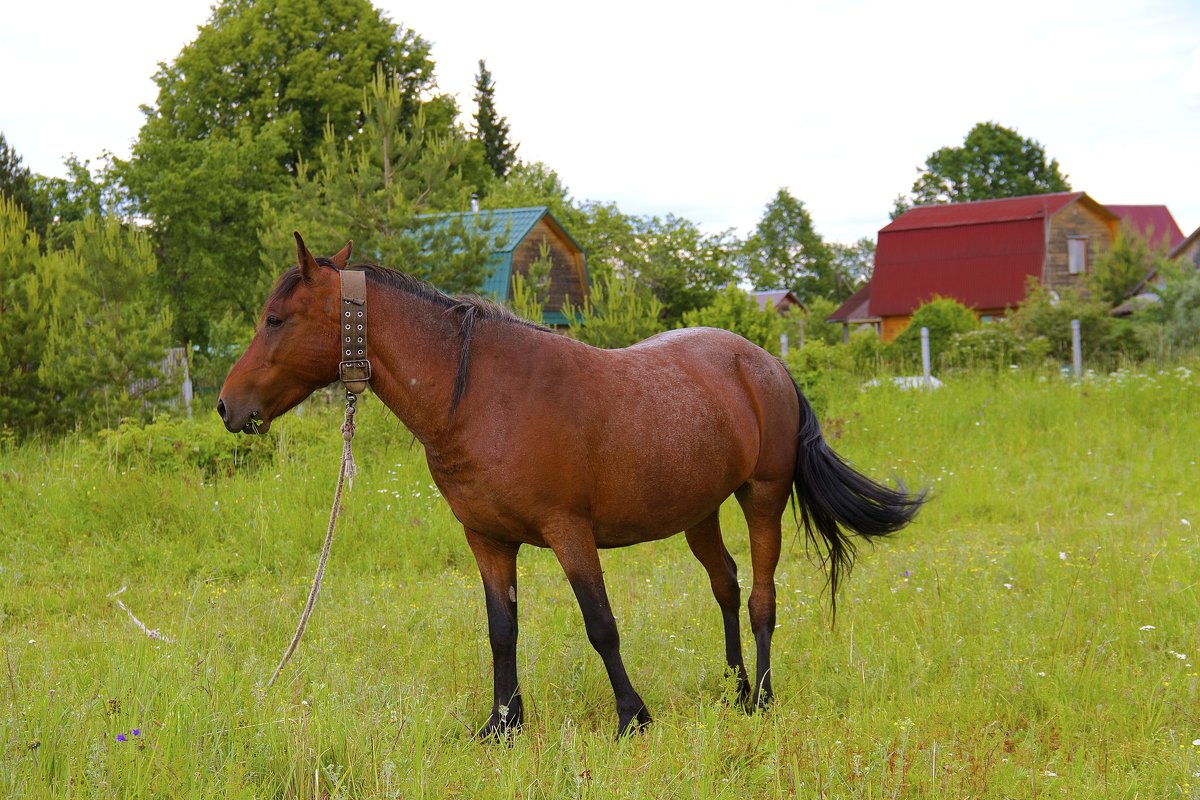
1034	634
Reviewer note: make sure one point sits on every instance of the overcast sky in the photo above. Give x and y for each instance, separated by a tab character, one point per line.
706	110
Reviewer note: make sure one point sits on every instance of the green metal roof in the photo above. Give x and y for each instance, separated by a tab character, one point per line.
510	226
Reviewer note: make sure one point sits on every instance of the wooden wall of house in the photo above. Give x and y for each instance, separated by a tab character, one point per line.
1075	220
891	327
566	274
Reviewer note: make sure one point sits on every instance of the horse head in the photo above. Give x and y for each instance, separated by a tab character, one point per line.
295	349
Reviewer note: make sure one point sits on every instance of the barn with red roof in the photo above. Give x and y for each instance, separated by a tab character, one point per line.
981	254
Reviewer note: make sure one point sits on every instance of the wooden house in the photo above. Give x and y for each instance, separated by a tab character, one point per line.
525	236
1188	250
981	254
782	300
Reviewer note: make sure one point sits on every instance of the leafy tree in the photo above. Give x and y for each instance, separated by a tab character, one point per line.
852	265
21	186
816	324
491	129
23	323
993	162
1123	267
376	190
682	266
944	317
734	310
236	112
108	332
786	252
618	313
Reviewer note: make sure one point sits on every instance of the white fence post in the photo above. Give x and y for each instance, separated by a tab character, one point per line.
925	357
783	345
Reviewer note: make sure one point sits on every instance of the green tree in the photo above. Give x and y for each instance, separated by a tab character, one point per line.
1118	271
21	186
108	332
852	265
816	323
786	252
682	266
24	403
491	129
378	190
236	112
618	313
734	310
993	161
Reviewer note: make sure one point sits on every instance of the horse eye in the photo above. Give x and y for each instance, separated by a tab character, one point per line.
274	322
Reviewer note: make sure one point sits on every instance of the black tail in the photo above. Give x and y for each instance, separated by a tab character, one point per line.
832	495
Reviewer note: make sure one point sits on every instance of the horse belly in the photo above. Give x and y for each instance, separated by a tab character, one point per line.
671	474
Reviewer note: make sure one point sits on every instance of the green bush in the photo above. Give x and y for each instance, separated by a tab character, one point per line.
1106	340
944	318
820	370
866	351
734	310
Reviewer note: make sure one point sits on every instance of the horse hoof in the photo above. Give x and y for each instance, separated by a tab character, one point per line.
636	723
499	729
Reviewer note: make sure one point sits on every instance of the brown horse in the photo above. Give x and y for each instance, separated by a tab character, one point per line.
534	438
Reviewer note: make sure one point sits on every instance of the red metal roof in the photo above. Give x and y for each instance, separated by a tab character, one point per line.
982	266
855	308
1007	209
1155	223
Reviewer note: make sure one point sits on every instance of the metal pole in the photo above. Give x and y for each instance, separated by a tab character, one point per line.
925	357
1076	350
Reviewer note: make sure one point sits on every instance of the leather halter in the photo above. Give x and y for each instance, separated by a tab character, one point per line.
355	367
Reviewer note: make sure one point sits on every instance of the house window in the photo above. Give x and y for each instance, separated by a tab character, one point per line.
1077	248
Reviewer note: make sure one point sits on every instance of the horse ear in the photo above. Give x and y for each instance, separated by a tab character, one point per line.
308	264
339	260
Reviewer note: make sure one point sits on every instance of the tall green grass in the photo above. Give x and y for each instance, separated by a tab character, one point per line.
1033	634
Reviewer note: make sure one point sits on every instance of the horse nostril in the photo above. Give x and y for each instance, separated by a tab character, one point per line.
221	409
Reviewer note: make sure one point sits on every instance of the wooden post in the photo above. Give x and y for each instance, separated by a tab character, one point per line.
1076	350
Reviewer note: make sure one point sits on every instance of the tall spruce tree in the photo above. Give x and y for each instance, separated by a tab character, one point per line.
491	129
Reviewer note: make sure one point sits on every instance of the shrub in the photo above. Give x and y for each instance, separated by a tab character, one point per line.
944	317
1105	339
734	310
820	370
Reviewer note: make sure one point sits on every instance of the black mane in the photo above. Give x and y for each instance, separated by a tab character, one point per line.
472	308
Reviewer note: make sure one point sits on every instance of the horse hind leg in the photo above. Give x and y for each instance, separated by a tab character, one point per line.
763	504
707	546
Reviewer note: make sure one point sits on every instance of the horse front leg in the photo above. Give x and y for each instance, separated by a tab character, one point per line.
498	567
576	552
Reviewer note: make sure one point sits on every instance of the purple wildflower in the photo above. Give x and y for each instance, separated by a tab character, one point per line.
137	731
121	737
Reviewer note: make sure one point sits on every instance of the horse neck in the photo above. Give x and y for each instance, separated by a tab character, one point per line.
414	347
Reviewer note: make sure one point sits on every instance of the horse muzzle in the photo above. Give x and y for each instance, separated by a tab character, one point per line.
245	423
